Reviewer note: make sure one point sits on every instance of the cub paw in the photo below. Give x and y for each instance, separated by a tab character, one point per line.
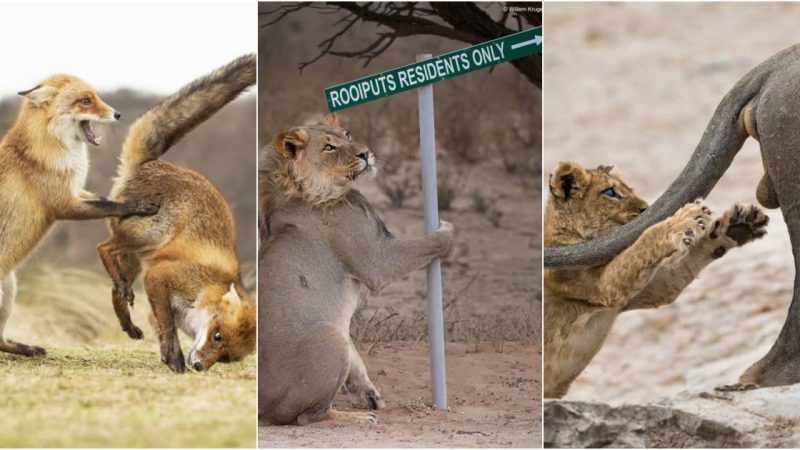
740	224
688	224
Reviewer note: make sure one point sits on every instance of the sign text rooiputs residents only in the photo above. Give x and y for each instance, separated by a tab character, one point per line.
412	76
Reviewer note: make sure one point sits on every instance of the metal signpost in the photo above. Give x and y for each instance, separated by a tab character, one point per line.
421	75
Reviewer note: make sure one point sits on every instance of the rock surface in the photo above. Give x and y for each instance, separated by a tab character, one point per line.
768	417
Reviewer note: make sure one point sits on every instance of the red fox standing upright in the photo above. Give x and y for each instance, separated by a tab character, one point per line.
44	163
192	276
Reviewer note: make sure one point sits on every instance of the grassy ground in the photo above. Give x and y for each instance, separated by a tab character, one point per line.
97	388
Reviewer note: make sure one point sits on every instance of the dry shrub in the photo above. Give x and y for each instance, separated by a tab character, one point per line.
485	206
398	188
460	134
372	327
449	186
384	325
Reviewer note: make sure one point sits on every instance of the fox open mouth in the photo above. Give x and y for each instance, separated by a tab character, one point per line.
90	136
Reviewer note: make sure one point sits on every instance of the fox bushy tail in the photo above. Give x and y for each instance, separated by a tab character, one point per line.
163	125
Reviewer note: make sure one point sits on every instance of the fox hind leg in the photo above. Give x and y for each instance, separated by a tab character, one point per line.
123	268
7	297
131	268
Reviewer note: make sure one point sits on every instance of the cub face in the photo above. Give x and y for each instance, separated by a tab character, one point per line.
590	202
324	158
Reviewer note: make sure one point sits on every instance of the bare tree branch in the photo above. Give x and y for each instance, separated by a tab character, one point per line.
465	22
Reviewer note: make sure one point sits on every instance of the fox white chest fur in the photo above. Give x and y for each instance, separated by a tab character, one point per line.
75	159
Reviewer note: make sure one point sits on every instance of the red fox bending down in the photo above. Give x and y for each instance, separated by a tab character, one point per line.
44	162
191	274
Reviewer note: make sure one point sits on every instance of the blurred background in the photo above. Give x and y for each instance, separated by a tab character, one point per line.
634	85
134	54
489	172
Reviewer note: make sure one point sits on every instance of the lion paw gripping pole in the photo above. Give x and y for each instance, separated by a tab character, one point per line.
430	206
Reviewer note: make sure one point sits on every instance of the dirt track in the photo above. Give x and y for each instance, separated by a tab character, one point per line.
491	399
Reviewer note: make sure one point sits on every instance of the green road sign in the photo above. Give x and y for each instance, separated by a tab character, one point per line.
442	67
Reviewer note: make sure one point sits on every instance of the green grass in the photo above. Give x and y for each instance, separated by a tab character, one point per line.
101	389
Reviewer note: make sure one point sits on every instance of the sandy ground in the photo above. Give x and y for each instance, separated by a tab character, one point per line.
635	85
491	400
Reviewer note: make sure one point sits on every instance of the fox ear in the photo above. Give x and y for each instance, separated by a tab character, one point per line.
569	180
233	297
290	143
39	95
331	120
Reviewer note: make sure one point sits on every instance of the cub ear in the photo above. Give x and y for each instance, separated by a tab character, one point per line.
331	120
569	180
39	95
290	143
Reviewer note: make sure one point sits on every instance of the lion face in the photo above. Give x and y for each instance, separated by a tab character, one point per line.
324	160
589	203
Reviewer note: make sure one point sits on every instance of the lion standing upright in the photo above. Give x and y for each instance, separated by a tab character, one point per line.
581	303
321	242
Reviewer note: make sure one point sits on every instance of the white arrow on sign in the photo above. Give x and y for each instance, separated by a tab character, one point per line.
537	40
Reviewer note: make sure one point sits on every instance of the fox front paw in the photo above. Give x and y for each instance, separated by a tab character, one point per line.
174	360
739	225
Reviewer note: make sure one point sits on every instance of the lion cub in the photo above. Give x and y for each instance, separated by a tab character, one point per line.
321	242
581	303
